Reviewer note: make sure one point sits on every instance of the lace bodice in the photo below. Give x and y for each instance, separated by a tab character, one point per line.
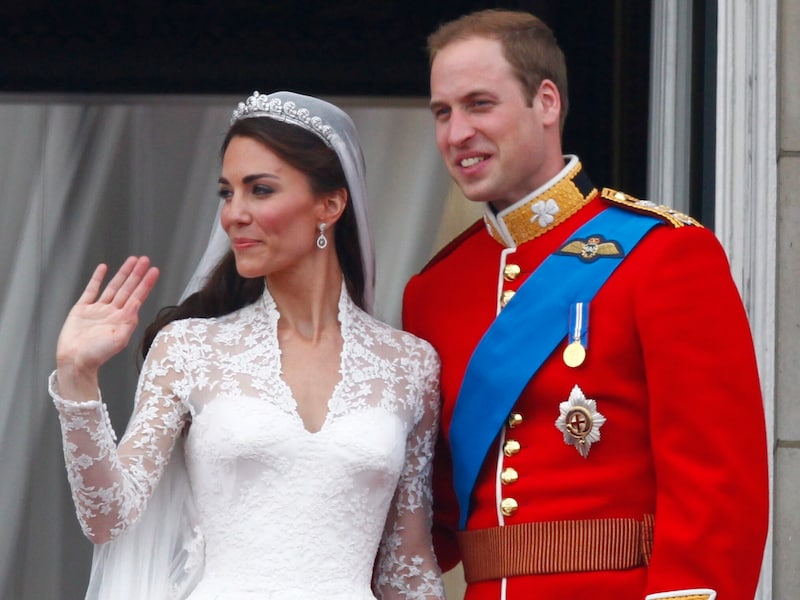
283	512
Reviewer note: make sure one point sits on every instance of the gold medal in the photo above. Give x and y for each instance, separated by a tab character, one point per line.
574	354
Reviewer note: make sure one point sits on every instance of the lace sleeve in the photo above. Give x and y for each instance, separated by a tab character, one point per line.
111	484
406	566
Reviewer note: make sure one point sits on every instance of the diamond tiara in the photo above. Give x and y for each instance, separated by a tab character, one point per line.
261	105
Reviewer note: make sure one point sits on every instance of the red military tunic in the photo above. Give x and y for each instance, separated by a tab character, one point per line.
670	365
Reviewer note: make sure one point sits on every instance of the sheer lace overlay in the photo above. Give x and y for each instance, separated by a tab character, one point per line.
284	513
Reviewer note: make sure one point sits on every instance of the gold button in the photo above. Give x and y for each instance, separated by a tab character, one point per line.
514	419
509	506
509	476
511	272
511	447
506	297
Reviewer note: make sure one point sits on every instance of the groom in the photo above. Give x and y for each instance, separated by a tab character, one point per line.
602	428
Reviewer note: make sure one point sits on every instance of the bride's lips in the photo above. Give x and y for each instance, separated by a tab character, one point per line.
241	243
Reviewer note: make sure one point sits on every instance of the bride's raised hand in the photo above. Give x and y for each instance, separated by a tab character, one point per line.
101	324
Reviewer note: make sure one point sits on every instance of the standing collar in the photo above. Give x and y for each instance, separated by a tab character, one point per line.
543	209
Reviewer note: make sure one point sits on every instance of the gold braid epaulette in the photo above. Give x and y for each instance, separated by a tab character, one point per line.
672	216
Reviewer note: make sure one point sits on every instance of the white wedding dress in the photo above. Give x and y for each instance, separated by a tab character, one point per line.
280	512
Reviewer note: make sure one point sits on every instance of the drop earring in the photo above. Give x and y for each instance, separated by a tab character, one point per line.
322	241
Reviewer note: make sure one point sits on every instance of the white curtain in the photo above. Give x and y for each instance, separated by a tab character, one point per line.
91	180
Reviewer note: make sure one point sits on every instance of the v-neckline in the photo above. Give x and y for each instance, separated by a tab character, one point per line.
269	304
293	401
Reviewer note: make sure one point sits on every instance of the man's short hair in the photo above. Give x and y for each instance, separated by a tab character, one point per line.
529	46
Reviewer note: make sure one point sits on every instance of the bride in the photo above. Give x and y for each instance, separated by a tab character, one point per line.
281	437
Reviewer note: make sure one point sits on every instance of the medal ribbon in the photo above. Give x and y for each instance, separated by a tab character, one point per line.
579	323
522	337
577	334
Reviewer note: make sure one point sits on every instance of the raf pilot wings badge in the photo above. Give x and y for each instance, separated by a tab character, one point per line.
591	248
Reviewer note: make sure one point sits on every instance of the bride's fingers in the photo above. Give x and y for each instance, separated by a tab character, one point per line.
124	280
92	288
132	282
143	288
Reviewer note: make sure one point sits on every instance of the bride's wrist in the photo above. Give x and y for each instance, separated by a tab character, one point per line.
76	383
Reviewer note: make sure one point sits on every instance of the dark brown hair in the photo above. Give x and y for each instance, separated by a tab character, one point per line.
225	290
529	46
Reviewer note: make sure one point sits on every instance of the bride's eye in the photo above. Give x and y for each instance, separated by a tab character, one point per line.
262	190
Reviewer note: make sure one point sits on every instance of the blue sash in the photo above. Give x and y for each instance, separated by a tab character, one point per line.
522	337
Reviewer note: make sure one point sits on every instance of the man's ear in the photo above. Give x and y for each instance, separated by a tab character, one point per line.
550	101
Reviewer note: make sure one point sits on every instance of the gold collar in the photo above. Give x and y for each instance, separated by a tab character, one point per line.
543	209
